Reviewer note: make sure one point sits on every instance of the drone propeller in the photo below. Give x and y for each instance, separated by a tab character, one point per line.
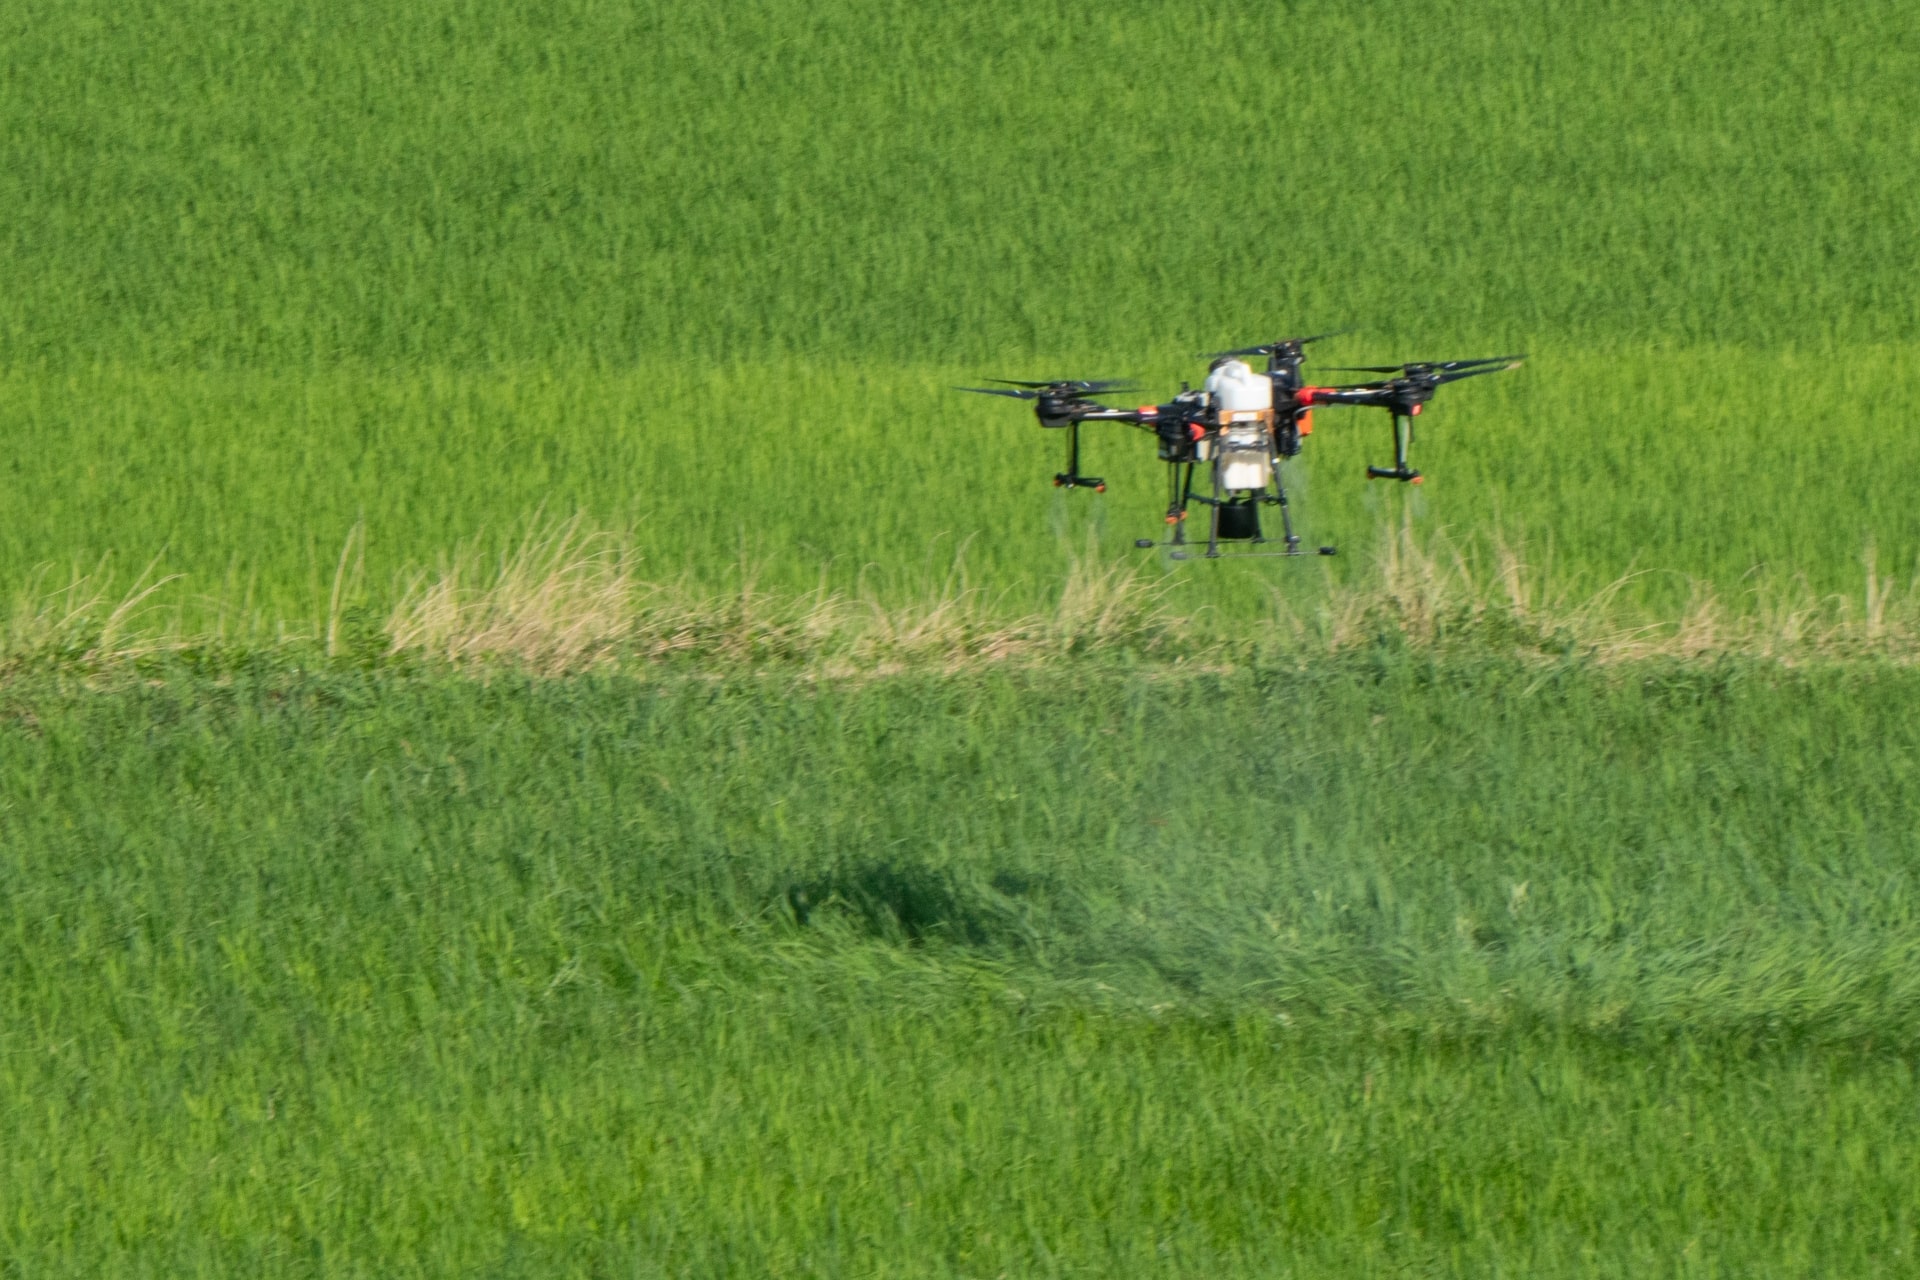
1060	388
1441	366
1274	348
1001	391
1456	374
1093	387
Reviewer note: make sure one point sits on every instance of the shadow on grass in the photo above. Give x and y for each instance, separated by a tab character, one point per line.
908	901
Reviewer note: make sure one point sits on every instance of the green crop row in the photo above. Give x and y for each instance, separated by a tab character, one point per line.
224	183
1464	967
1753	475
269	273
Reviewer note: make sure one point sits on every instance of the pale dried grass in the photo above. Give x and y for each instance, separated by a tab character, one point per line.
1430	591
567	599
564	597
89	619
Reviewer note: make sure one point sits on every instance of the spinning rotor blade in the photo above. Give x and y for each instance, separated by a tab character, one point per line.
1057	390
1450	365
1272	347
1426	366
1001	391
1071	386
1457	374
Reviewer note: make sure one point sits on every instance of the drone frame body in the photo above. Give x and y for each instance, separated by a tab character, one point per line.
1193	429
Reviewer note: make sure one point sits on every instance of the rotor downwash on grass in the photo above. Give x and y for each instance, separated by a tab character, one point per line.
1467	967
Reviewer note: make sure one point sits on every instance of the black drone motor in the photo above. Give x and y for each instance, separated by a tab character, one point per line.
1404	396
1062	403
1179	425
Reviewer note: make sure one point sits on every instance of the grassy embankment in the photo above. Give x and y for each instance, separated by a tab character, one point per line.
1384	962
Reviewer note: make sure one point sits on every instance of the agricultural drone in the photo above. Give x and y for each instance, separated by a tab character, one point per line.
1241	425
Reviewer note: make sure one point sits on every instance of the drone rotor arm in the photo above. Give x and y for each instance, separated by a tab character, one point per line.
1361	395
1101	413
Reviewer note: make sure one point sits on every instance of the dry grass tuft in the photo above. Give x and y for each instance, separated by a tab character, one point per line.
567	598
563	599
1432	592
86	620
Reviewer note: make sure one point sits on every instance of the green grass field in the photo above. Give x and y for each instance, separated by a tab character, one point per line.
1726	466
1379	915
1020	974
274	272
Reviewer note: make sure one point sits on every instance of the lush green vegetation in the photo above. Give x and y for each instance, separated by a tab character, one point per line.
272	271
251	483
1134	956
1463	967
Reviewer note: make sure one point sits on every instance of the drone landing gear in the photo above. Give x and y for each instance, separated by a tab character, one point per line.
1179	549
1402	441
1234	520
1071	477
1279	499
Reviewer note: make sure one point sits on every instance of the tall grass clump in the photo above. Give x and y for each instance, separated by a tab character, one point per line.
556	597
565	599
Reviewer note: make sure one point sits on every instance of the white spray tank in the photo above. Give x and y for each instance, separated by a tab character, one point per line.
1245	403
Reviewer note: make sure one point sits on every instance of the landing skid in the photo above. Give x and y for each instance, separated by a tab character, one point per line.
1180	549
